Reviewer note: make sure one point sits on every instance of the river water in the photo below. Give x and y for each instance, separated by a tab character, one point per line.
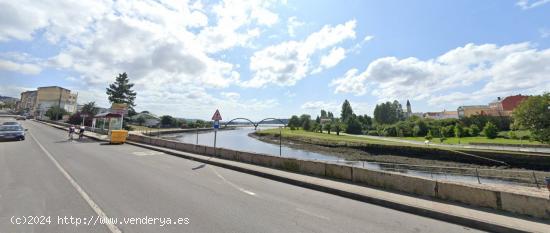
238	139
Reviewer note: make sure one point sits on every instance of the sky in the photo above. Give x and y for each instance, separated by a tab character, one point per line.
260	59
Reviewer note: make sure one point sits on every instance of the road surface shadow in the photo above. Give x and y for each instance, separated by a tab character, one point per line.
76	140
199	167
110	144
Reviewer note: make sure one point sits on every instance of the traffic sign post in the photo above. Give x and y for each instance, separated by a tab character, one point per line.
217	117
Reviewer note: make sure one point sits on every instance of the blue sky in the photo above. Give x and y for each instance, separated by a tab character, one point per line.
261	59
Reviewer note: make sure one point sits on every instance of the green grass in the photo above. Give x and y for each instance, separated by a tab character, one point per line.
468	140
301	134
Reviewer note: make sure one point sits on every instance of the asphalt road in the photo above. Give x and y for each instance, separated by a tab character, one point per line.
46	175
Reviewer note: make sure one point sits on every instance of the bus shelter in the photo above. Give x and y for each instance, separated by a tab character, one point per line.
115	131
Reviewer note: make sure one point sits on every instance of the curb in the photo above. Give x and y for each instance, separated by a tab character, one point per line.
447	217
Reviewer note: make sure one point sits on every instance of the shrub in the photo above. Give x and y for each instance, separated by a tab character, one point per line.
512	134
429	136
490	130
474	130
458	131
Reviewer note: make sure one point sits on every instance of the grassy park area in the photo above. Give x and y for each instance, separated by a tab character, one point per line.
325	137
343	138
479	139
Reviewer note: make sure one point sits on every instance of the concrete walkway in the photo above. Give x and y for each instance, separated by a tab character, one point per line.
472	217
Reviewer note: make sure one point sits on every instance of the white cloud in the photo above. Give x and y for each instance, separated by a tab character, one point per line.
544	32
350	83
286	63
335	56
237	22
164	46
231	95
528	4
368	38
292	24
358	46
318	105
24	68
503	70
12	91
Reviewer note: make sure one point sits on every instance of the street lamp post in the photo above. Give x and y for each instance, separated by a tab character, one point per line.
280	142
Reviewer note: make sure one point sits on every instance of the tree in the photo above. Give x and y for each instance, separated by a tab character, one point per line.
89	108
166	120
330	115
490	130
318	120
429	136
458	131
56	113
328	127
388	113
353	125
323	113
347	112
534	114
294	122
337	127
474	130
141	120
306	125
304	118
121	92
420	128
366	121
75	119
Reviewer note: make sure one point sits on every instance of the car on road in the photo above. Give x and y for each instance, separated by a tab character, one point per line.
11	123
12	132
20	118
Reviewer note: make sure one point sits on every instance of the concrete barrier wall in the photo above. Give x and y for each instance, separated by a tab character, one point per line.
521	204
312	168
385	180
338	171
171	144
199	149
227	154
244	157
468	195
186	147
475	196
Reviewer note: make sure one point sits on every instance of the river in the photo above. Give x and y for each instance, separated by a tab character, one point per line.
238	139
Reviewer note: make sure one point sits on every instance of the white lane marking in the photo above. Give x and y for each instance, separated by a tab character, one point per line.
146	153
231	183
312	214
112	227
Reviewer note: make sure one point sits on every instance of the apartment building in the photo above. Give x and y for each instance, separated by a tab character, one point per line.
38	102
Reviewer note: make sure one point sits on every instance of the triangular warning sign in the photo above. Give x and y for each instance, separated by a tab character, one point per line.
217	116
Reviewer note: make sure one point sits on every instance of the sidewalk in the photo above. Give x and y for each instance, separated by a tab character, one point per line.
454	213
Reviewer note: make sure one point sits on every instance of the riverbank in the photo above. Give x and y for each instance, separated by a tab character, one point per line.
360	148
351	154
